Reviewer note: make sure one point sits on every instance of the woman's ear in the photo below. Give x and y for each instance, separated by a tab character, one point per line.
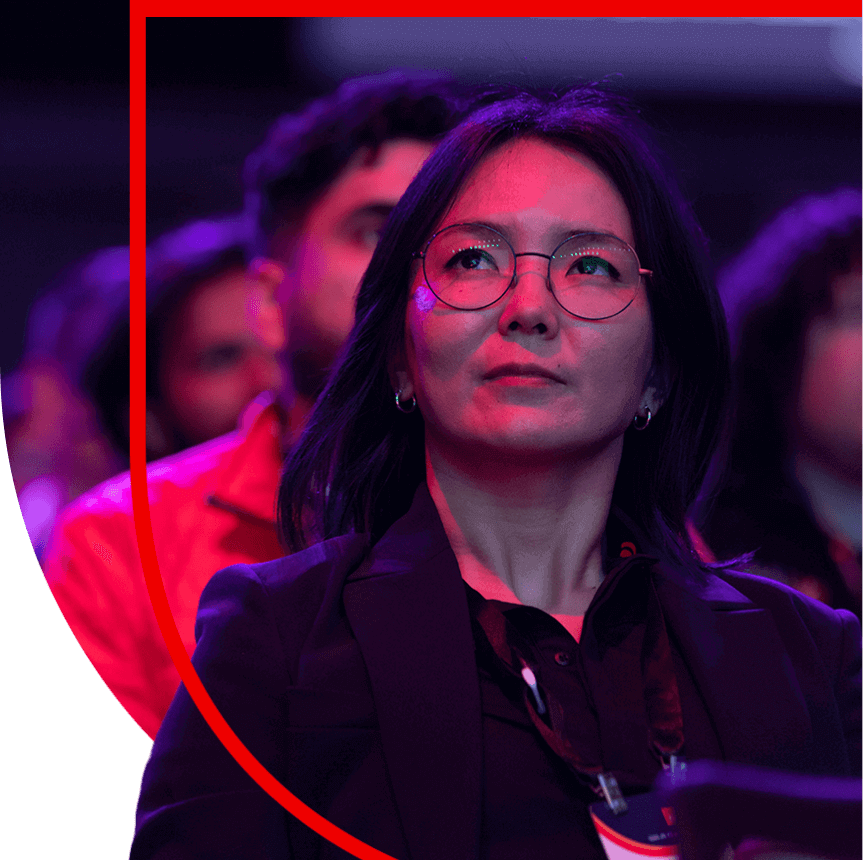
403	384
400	375
400	378
656	388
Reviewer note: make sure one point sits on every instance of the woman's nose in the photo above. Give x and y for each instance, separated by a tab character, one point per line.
530	306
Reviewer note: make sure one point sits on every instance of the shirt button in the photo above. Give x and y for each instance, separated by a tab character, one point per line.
562	658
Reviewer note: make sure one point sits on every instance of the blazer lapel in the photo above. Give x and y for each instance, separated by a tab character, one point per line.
741	667
408	610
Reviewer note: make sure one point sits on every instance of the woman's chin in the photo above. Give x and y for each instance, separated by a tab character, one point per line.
515	444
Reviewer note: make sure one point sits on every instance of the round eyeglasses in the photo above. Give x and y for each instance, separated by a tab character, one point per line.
593	276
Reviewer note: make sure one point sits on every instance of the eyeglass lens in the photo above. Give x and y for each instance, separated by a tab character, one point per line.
593	276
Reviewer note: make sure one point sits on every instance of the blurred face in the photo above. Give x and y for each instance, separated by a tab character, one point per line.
213	364
829	405
524	376
326	260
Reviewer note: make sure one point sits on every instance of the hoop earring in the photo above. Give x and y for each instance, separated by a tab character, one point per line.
401	407
640	422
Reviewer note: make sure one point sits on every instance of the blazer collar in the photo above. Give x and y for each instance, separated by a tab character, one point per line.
757	706
408	610
407	606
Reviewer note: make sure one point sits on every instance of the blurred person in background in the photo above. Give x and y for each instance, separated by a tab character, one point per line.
205	360
58	447
793	484
67	405
319	190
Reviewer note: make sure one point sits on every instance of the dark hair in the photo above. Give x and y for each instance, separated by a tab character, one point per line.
359	461
305	151
773	290
177	263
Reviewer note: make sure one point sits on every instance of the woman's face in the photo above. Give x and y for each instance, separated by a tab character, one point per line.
523	376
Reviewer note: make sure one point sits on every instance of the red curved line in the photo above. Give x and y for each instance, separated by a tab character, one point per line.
641	848
138	464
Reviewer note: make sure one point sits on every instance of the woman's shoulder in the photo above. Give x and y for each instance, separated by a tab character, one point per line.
288	593
318	567
766	590
330	558
790	606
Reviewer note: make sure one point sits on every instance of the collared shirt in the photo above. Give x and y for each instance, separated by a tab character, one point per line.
533	801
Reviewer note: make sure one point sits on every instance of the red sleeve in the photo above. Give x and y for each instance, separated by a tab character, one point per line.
94	571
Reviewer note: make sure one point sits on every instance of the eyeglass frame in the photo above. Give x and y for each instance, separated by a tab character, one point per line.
421	255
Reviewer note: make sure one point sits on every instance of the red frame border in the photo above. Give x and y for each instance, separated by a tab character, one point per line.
138	14
137	450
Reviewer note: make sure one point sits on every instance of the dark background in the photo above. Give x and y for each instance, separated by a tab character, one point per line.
753	112
752	116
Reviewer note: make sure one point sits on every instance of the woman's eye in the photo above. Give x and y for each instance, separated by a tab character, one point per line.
594	266
472	260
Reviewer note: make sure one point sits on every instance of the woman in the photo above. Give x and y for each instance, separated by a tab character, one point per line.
505	618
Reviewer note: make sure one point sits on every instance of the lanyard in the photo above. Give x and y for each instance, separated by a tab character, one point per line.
571	741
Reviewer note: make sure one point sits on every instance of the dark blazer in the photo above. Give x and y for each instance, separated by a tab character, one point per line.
350	673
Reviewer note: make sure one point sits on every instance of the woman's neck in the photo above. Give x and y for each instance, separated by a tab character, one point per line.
532	531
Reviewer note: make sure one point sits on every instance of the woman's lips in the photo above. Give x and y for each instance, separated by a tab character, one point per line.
522	374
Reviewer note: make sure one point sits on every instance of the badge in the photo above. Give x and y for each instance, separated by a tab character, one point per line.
645	829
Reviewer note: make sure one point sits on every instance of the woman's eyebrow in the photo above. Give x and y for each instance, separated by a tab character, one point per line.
557	235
